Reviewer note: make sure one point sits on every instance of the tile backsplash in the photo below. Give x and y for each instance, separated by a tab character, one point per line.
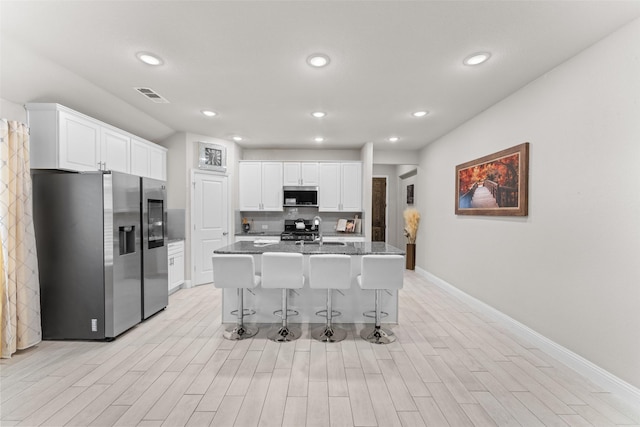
274	221
176	223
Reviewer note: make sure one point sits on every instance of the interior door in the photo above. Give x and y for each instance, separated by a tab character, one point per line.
210	223
378	210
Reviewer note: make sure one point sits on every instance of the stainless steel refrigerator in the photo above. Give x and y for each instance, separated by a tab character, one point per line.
88	239
155	273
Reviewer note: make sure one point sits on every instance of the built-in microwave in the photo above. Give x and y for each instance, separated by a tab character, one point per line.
300	196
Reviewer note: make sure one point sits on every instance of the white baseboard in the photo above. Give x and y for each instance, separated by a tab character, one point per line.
593	372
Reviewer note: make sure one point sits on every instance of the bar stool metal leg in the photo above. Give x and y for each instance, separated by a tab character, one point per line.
377	334
240	331
285	333
328	333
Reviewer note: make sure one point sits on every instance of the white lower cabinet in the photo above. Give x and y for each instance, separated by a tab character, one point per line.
175	252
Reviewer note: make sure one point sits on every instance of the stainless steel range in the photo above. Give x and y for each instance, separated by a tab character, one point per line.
297	230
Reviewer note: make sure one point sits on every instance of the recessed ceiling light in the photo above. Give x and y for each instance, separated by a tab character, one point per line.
318	114
237	138
318	60
318	139
209	113
476	58
149	58
420	113
393	139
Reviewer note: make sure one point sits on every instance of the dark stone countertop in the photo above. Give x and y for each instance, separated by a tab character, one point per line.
348	248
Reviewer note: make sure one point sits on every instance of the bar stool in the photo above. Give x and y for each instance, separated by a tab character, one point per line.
329	272
283	271
236	271
380	272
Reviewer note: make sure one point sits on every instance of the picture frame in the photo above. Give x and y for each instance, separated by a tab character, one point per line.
410	194
212	157
496	184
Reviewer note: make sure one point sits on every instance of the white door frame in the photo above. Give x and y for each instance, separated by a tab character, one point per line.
192	224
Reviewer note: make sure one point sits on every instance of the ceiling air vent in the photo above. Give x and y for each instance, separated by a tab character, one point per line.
152	95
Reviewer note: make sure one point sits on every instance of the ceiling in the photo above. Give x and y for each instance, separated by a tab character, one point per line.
246	60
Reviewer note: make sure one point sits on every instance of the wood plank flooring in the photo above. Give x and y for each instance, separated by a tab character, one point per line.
449	367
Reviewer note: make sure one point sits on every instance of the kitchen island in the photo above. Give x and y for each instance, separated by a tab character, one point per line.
351	302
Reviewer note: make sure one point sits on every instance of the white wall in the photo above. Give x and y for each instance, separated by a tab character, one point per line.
182	159
570	269
367	188
395	157
177	179
12	111
299	154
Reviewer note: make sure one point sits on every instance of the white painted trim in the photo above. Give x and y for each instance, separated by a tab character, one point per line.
593	372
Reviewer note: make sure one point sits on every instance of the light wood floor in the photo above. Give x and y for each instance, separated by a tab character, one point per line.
450	366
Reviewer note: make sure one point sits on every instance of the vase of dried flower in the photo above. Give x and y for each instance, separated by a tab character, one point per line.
411	256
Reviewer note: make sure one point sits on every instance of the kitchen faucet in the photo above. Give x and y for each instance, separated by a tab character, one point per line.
316	223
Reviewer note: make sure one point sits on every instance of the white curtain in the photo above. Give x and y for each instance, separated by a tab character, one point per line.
19	285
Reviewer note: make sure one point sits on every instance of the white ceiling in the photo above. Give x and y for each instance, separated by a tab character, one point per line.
246	61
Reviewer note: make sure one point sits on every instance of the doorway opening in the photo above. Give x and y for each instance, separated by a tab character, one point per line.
379	210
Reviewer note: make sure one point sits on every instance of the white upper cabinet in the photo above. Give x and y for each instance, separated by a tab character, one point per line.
300	173
260	185
115	148
351	187
140	158
157	162
61	138
63	141
250	177
148	160
330	187
340	187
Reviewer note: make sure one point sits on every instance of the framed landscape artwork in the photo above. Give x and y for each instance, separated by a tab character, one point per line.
496	184
212	157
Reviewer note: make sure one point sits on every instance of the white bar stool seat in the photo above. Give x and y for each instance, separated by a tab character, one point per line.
329	272
281	270
236	271
380	272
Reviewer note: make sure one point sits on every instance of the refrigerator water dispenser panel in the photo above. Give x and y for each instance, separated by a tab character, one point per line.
127	239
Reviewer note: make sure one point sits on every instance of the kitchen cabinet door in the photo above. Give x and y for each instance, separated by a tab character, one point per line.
300	173
329	187
250	186
158	163
291	174
340	187
351	187
79	141
309	173
139	158
272	186
260	186
175	252
115	148
148	160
